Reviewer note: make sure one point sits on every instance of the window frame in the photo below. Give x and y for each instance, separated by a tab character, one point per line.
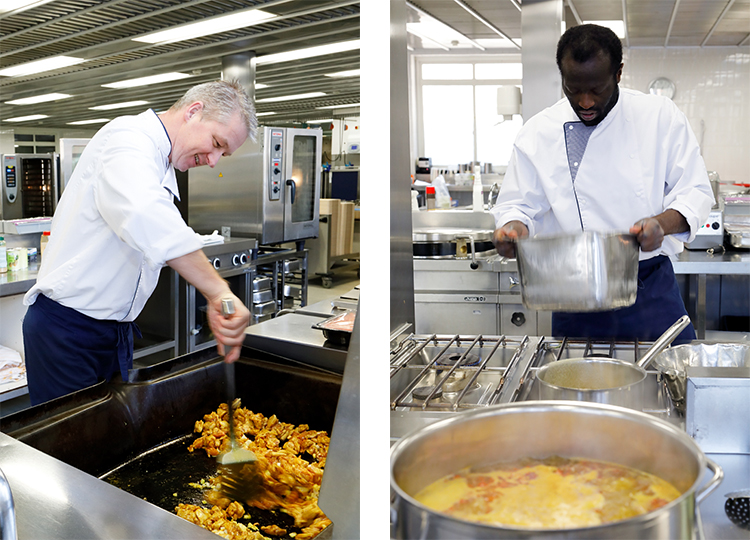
420	59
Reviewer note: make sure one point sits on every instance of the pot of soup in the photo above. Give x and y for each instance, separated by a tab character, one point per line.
551	470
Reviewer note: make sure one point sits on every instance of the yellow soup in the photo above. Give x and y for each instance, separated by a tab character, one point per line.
551	493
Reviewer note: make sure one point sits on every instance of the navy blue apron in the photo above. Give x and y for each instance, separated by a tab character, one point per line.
658	305
66	350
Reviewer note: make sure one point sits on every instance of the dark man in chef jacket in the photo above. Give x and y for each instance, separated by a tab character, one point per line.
116	227
605	159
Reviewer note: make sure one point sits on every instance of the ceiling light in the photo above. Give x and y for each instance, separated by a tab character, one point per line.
224	23
143	81
38	99
320	50
258	86
94	121
20	5
350	73
618	27
26	118
39	66
264	113
289	98
118	105
339	106
320	121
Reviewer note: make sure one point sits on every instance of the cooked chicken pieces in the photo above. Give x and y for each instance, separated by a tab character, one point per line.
291	481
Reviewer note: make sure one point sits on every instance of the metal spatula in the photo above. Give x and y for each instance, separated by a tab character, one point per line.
238	475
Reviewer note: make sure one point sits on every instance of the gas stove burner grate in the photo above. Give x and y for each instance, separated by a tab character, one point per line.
450	360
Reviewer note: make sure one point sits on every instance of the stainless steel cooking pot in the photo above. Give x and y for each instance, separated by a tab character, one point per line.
586	271
603	380
539	429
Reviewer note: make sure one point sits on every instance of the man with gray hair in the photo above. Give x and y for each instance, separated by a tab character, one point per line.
114	229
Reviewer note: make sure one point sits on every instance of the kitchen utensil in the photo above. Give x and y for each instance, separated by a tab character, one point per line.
737	508
539	429
587	271
603	380
238	475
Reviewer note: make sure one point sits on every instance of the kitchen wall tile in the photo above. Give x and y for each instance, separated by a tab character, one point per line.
713	90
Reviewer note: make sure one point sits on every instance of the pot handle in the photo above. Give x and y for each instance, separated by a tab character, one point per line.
713	483
665	339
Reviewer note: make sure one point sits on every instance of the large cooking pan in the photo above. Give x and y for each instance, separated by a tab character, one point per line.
603	380
137	434
540	429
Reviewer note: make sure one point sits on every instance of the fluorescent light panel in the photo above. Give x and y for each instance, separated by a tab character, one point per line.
94	121
339	106
618	27
350	73
320	50
118	105
26	118
289	98
264	113
233	21
40	66
320	121
143	81
38	99
258	86
20	5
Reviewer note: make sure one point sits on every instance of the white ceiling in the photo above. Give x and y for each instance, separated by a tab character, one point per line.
102	32
649	23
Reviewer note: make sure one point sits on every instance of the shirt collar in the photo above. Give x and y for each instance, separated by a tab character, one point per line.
164	144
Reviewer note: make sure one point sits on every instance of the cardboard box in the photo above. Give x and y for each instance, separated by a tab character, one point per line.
347	228
332	209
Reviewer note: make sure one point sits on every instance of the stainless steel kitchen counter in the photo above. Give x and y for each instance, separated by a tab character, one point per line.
19	281
54	500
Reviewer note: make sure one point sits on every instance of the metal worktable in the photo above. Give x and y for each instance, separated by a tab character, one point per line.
19	281
55	500
697	265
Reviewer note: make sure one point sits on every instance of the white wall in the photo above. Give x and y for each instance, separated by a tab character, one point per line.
713	90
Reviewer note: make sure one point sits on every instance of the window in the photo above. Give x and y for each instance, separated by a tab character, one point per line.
458	117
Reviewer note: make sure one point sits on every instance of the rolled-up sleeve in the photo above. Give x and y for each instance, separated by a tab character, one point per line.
131	199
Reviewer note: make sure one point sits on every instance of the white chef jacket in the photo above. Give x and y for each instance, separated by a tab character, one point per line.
641	160
116	224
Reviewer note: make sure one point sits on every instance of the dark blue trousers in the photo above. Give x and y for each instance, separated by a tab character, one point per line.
66	350
657	307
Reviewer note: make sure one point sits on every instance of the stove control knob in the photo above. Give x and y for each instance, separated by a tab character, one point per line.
276	171
217	263
277	147
243	258
235	259
518	318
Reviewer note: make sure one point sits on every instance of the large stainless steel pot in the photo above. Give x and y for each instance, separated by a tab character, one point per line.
539	429
586	271
604	380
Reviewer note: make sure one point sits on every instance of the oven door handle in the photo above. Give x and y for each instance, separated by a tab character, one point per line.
292	185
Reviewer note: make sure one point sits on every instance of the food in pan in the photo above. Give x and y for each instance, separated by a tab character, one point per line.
342	323
291	460
551	493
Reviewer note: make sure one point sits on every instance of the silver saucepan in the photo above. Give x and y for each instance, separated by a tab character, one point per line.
603	380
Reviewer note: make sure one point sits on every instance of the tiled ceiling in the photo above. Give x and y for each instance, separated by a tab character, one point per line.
102	32
649	23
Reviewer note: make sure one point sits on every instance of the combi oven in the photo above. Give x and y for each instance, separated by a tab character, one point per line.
269	189
30	186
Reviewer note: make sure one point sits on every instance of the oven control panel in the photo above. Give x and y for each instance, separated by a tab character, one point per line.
276	165
10	181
